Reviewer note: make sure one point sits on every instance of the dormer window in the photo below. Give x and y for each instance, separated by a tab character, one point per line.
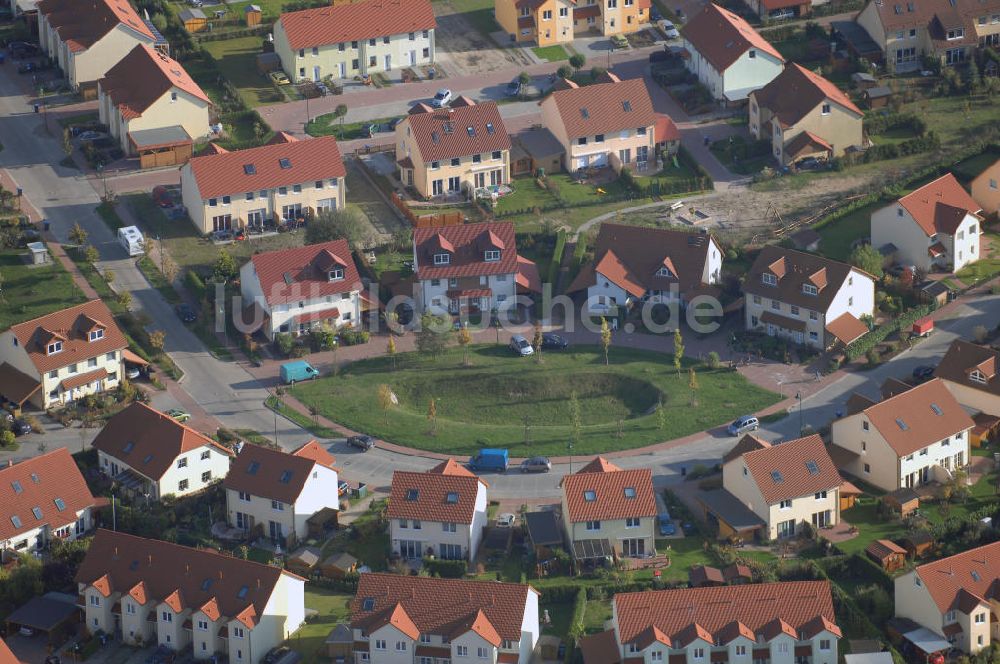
491	255
664	272
336	274
809	289
769	279
442	259
96	334
53	348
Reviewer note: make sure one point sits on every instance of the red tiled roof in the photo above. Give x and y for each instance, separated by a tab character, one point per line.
440	606
214	148
425	496
149	441
939	206
527	275
143	77
721	609
806	143
601	108
71	326
600	648
722	37
281	137
356	21
83	23
965	359
44	482
796	91
116	562
617	494
15	385
792	461
466	244
275	474
976	572
909	422
84	378
846	328
884	548
225	174
598	465
447	133
6	656
300	273
665	130
793	269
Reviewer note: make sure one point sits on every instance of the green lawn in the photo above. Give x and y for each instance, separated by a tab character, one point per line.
488	403
986	267
685	553
838	236
528	195
29	292
479	13
366	540
237	61
332	608
553	53
597	613
733	154
329	125
82	118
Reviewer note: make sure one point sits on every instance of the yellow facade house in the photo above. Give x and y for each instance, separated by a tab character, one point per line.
153	107
275	183
605	124
453	151
545	22
986	188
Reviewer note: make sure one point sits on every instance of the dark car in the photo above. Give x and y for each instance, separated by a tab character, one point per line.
552	341
537	464
186	313
362	442
514	88
20	427
27	68
923	372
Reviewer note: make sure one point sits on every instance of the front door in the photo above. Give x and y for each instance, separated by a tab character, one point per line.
413	57
821	519
388	62
316	74
496	177
409	550
274	530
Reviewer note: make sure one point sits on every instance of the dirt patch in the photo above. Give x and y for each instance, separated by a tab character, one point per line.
468	50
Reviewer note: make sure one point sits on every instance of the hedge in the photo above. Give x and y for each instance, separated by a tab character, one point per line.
876	336
575	625
195	284
446	569
557	255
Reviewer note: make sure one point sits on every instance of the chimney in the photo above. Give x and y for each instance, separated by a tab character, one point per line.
220	575
187	568
150	560
258	584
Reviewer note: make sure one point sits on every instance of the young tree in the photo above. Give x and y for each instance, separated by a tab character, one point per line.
433	336
537	342
575	421
156	340
524	78
90	254
692	379
324	336
78	235
868	259
678	350
225	267
713	360
390	350
564	72
1	288
432	415
605	338
124	299
349	224
661	415
577	61
169	268
285	342
464	339
109	276
385	400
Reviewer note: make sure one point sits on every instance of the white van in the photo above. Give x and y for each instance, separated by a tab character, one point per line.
130	237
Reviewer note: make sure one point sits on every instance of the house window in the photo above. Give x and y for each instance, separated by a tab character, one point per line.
449	527
599	138
206	476
53	348
825	110
547	15
96	334
809	289
182	462
756	299
776	305
492	255
462	651
785	504
477	159
741	651
956	33
182	485
91	363
416	524
203	625
795	310
206	454
868	469
980	618
582	140
769	279
864	425
435	165
820	495
593	525
277	505
400	646
95	600
632	522
442	259
167	616
336	274
563	12
813	315
698	653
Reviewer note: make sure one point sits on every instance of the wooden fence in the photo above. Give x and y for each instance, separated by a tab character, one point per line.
427	220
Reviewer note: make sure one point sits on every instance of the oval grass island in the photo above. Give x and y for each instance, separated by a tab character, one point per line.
500	400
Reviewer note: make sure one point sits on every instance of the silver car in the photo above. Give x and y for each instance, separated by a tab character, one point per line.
537	464
520	345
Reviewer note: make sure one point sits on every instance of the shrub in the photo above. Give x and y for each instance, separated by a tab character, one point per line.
447	569
713	360
285	343
354	337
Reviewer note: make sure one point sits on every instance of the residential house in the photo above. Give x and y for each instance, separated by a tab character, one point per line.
906	31
153	107
441	512
986	189
611	17
969	371
636	265
295	290
956	597
544	22
790	621
273	493
159	593
605	124
807	298
416	619
454	150
44	499
918	436
935	226
608	511
470	266
283	181
6	656
804	115
150	454
786	485
345	40
86	38
727	56
65	355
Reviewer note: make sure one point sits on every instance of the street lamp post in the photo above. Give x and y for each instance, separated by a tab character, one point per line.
798	397
569	448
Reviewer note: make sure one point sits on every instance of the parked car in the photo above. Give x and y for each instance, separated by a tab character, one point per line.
538	464
179	414
923	372
666	525
296	371
274	654
743	424
669	29
520	345
90	135
20	427
551	341
186	312
342	487
362	442
688	528
132	372
505	520
619	41
782	14
442	98
514	88
278	77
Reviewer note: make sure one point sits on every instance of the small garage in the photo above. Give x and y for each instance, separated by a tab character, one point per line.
194	19
848	495
164	146
17	387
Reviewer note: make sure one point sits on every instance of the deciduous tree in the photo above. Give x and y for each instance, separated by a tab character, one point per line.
605	338
678	350
390	350
464	339
385	400
78	235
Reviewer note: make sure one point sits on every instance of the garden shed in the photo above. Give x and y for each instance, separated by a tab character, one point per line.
322	522
338	565
848	495
918	544
904	501
194	19
339	644
253	15
303	561
878	97
887	554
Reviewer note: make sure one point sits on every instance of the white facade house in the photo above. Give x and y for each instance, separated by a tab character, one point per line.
271	493
152	592
471	620
440	513
296	290
150	454
934	227
728	56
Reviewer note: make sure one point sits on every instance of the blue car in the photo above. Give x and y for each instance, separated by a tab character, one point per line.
667	525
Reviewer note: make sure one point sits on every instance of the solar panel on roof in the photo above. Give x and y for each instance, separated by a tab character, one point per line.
901	424
937	409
